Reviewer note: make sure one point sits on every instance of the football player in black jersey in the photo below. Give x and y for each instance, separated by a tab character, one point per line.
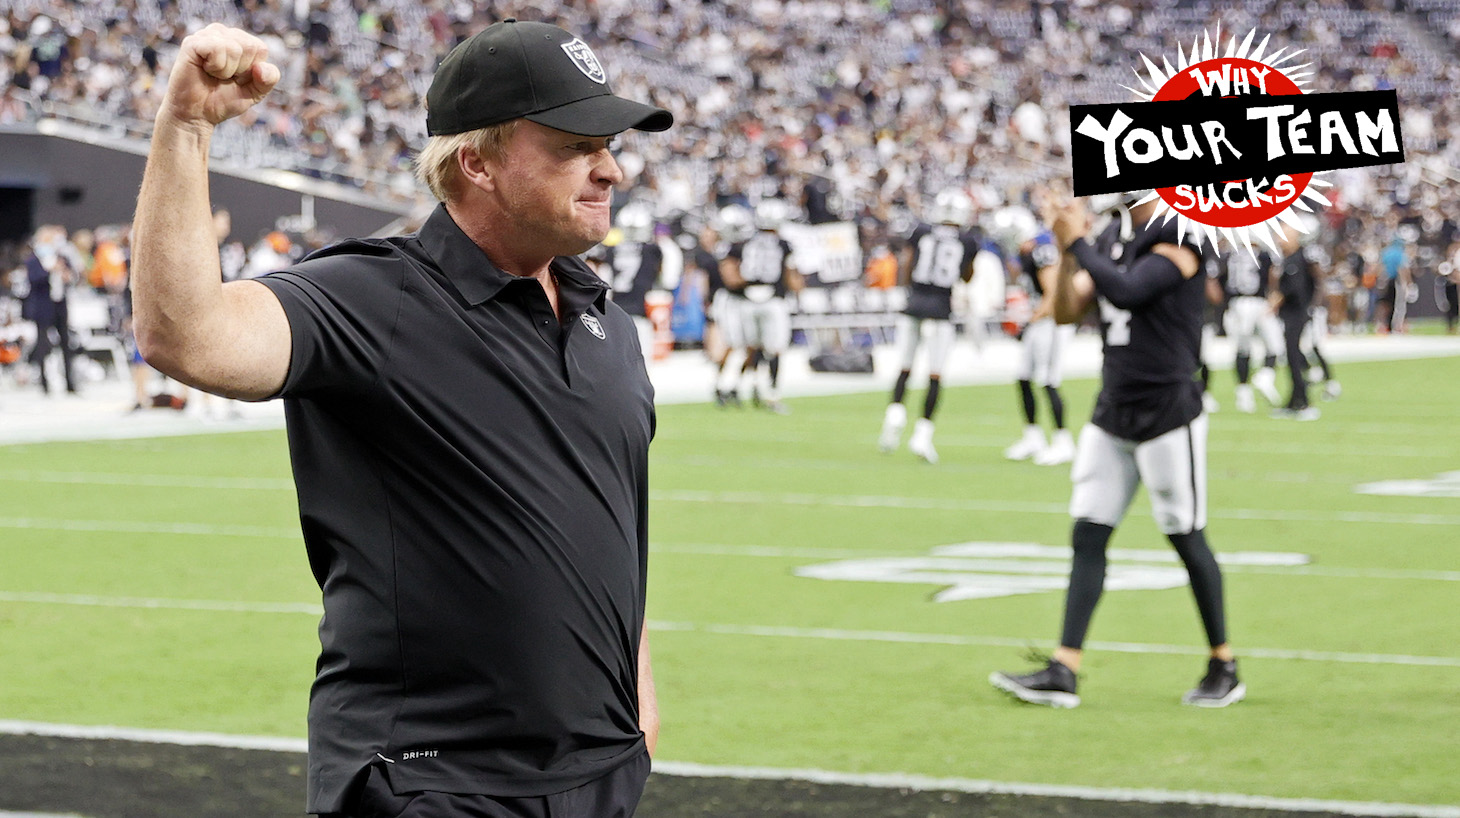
940	255
1041	343
1297	286
1248	276
1148	427
635	266
759	273
735	225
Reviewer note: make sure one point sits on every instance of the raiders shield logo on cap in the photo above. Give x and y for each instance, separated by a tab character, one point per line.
583	58
593	326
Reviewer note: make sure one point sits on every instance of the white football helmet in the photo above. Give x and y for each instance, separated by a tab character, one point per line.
636	221
770	214
734	223
1012	226
952	206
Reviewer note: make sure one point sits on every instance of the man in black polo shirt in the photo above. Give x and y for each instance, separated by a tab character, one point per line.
1148	427
469	421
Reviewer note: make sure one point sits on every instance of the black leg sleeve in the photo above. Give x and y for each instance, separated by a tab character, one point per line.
1322	363
1206	582
1244	368
1087	580
1056	405
1026	394
930	403
1297	363
899	389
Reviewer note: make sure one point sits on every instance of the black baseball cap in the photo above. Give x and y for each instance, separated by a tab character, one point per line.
536	71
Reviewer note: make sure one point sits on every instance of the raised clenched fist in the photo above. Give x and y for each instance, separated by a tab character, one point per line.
220	73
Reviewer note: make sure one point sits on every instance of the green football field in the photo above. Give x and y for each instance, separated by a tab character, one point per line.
815	604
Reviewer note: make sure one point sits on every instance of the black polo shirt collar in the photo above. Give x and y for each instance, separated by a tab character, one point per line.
479	280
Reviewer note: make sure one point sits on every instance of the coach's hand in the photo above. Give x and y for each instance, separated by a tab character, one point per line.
1067	219
220	73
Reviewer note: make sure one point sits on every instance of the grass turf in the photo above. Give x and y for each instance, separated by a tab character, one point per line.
1351	660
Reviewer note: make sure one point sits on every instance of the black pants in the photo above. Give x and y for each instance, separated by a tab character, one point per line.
1452	305
615	795
1294	322
43	347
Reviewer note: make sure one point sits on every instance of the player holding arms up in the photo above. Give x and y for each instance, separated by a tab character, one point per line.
1148	426
941	255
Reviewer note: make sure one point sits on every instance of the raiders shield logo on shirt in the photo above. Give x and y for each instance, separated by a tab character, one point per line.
593	326
583	58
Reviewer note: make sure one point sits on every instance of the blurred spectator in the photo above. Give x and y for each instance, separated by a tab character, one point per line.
51	273
272	252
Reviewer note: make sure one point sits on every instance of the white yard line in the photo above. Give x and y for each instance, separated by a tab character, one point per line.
813	552
901	637
834	634
176	481
162	603
203	482
1027	507
879	780
142	527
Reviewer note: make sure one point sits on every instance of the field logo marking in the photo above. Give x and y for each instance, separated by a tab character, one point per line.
985	570
1445	484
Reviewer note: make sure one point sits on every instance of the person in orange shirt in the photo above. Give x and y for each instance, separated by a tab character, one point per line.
109	271
881	272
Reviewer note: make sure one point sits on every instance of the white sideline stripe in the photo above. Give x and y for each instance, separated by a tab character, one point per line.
185	738
879	780
962	504
845	635
980	787
815	553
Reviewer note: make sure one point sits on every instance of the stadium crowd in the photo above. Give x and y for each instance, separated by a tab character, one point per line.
774	100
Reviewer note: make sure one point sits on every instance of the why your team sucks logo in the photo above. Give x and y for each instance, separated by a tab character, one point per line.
1229	142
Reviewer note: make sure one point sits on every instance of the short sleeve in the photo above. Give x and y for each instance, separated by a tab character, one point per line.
342	310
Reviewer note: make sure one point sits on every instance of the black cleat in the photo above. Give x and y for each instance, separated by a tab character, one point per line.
1219	688
1054	686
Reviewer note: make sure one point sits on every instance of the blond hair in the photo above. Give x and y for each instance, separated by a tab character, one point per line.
437	166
